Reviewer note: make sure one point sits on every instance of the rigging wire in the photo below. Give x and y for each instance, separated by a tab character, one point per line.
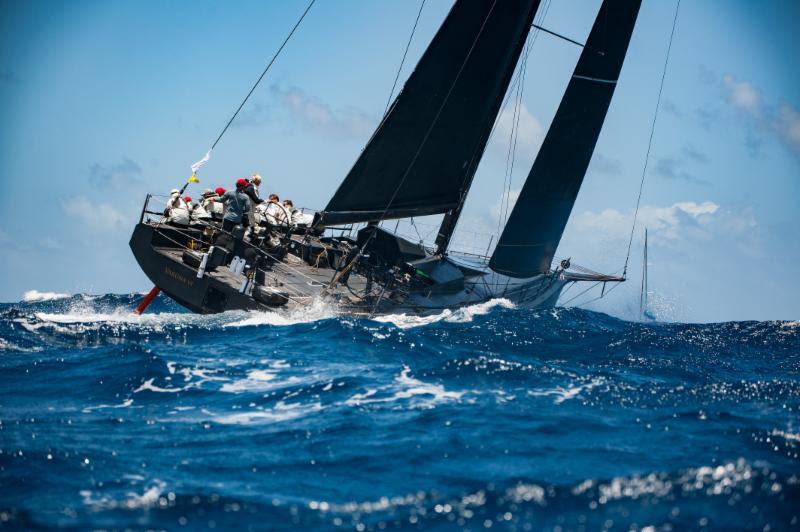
419	148
650	142
438	112
505	198
269	65
402	61
512	144
511	156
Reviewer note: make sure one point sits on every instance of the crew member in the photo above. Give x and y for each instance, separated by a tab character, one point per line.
296	216
238	205
198	210
276	214
177	212
214	208
252	192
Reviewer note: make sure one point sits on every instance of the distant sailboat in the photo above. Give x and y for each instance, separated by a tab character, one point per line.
421	160
644	309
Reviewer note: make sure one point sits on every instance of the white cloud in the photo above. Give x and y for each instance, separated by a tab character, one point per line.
120	175
530	132
787	125
315	114
743	94
96	216
670	222
781	121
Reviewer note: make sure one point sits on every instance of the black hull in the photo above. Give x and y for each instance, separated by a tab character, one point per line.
294	284
204	295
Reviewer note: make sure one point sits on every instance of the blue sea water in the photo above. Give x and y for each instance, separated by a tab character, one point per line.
490	417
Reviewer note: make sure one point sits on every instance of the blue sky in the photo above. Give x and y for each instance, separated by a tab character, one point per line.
103	101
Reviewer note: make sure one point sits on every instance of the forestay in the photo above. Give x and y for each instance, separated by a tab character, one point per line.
421	158
531	236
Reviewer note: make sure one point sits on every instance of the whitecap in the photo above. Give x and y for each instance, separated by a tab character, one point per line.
34	296
257	380
5	345
149	386
461	315
125	404
421	394
281	412
149	498
318	310
565	394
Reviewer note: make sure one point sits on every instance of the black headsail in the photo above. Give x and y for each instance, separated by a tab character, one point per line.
531	236
426	149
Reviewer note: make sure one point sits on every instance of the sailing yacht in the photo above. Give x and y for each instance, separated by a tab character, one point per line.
421	160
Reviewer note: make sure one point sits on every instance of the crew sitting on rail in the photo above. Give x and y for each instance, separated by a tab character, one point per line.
177	211
238	205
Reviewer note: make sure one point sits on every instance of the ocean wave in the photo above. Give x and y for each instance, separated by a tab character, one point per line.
405	388
279	413
319	310
461	315
149	498
492	416
32	296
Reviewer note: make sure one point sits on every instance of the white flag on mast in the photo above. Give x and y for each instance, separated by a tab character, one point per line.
201	163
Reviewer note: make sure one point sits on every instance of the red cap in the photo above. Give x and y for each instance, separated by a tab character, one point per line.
187	199
220	191
241	182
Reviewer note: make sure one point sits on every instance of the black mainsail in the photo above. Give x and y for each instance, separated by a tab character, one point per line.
422	157
531	236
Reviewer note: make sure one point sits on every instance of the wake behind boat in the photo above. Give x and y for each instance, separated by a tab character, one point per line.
420	161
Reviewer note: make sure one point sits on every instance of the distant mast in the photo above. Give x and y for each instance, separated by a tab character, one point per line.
643	295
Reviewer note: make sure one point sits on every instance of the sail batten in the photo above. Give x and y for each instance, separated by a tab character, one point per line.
529	240
419	160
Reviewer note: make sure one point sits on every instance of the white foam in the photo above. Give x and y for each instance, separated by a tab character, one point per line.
461	315
148	385
258	380
281	412
422	394
125	404
33	296
5	345
119	316
149	498
565	394
318	310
